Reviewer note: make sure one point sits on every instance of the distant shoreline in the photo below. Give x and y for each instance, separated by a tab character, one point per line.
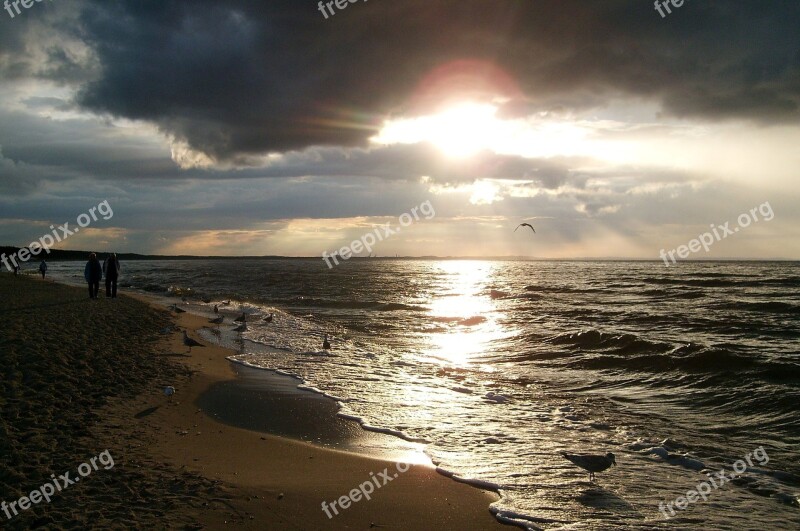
58	255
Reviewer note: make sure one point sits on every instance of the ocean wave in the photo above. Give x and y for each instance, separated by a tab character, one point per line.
350	304
497	294
722	281
459	321
563	289
596	340
703	282
764	307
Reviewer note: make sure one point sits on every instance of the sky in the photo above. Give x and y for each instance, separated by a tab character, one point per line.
236	127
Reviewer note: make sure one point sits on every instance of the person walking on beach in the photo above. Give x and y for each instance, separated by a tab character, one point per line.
43	268
111	268
93	272
16	269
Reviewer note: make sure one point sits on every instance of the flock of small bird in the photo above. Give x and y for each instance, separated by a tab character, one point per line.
220	319
189	342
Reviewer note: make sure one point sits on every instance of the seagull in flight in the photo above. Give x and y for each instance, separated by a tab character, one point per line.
525	225
591	463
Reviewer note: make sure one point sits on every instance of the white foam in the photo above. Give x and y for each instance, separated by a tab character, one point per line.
396	433
480	483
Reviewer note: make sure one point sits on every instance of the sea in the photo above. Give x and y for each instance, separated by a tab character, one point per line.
689	374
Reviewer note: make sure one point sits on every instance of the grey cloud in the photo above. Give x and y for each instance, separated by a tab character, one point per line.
243	78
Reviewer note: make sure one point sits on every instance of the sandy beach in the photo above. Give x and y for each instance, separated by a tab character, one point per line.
82	377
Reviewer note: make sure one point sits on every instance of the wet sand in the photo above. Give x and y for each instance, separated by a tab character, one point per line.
269	402
82	376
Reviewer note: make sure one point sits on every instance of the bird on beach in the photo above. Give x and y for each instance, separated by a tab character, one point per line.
241	328
175	309
268	319
591	462
216	309
189	342
169	391
325	343
217	320
525	225
242	318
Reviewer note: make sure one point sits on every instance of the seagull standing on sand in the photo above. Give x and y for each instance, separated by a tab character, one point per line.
189	342
216	309
175	309
242	318
525	225
217	320
169	391
325	343
591	463
241	328
268	319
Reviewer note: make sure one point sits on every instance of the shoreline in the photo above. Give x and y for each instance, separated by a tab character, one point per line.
255	479
455	506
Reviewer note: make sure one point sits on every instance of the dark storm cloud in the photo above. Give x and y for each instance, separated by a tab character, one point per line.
36	150
238	78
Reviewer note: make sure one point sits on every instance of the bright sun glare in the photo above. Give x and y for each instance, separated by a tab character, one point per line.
467	128
459	131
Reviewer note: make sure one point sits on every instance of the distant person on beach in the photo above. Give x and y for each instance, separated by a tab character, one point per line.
16	269
43	269
93	273
111	268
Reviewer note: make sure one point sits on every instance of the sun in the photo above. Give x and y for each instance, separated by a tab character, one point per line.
459	131
467	128
464	130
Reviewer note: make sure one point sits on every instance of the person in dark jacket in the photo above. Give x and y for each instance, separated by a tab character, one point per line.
43	269
93	273
111	268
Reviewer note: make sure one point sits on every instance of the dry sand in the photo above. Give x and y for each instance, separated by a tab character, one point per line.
82	376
